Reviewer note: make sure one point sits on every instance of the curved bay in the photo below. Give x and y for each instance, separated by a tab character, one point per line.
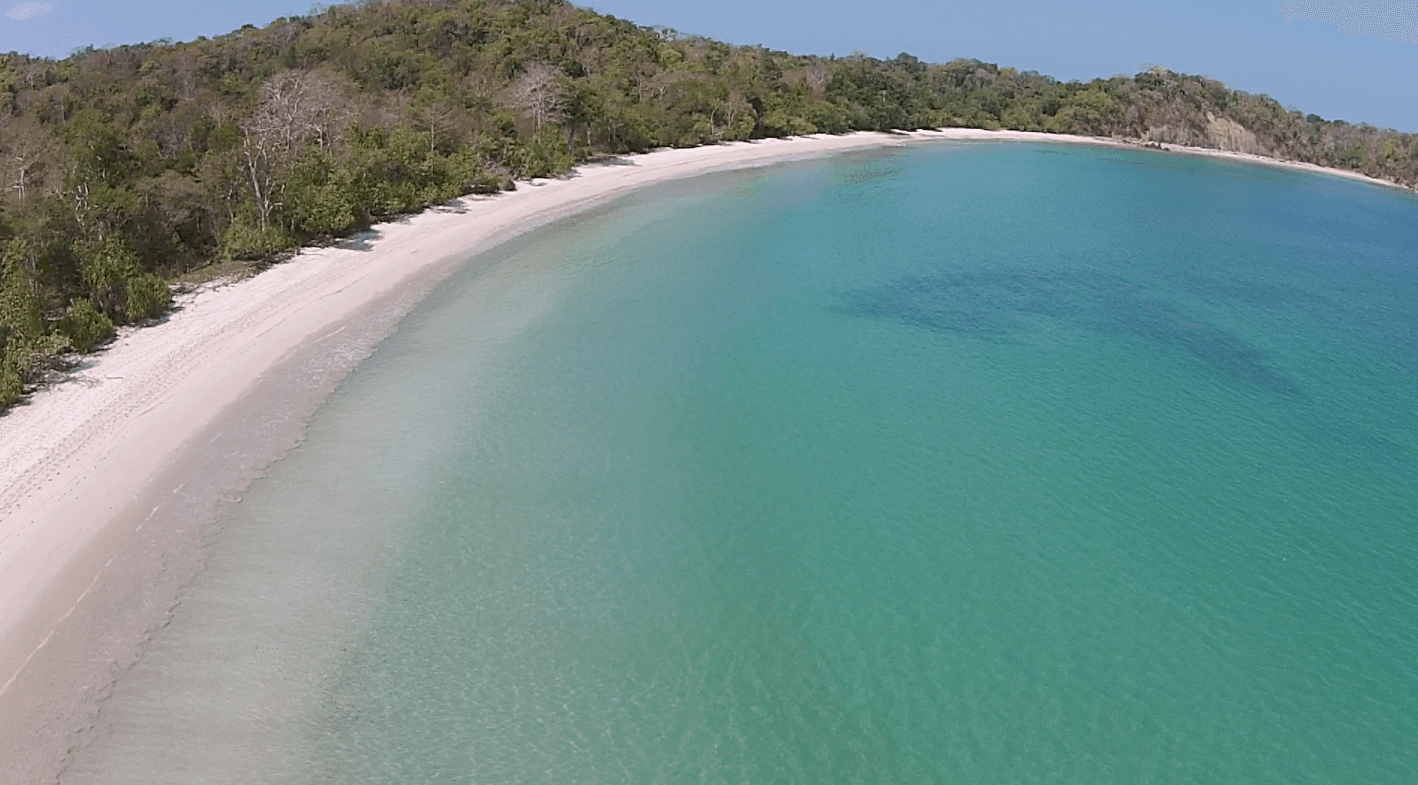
954	463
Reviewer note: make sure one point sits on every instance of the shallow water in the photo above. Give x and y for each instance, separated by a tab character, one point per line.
954	463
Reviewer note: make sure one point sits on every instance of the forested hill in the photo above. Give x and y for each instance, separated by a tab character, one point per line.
125	167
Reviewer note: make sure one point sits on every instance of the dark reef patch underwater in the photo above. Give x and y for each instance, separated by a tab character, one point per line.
1003	306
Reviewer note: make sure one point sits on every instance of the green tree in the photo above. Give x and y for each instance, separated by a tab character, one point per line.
117	285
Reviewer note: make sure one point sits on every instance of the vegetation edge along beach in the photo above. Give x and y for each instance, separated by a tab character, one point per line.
132	168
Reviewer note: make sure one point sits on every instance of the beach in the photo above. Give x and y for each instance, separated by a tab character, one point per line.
108	477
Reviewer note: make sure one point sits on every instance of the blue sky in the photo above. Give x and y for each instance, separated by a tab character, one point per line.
1311	65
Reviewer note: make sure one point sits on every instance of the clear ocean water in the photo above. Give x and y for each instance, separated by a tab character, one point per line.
944	463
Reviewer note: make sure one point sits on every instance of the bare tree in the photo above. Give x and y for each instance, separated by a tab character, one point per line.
731	109
184	75
663	81
433	112
24	145
817	77
296	108
539	93
299	106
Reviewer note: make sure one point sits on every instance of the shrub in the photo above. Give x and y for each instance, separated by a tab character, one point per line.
243	241
547	155
472	175
148	296
323	197
782	122
86	326
11	386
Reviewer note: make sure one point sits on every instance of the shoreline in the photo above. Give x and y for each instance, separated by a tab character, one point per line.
108	479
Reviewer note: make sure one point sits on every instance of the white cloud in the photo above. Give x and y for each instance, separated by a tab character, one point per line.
25	11
1390	21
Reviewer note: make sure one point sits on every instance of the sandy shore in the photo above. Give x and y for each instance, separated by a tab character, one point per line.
129	442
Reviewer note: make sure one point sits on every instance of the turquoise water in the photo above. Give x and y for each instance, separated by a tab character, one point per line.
949	463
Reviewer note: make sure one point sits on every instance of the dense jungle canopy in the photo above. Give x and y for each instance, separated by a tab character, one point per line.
126	168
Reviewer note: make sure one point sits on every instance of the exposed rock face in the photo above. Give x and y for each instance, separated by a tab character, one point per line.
1179	133
1221	133
1227	134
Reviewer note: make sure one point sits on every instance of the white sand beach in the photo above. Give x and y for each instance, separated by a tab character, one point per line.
82	462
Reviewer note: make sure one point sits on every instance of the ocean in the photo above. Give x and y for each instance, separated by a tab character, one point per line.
950	462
